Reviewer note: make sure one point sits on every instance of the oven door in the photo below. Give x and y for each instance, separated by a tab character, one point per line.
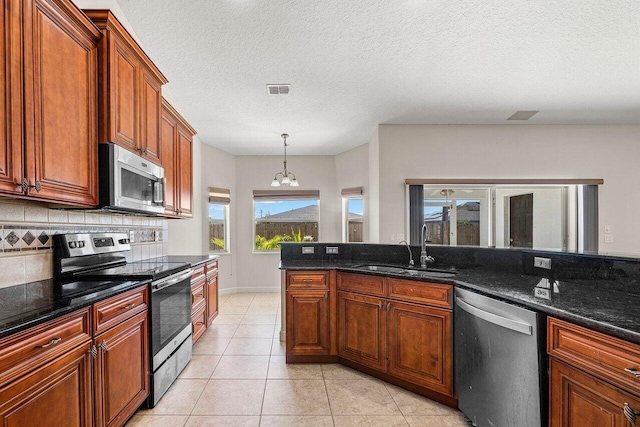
170	315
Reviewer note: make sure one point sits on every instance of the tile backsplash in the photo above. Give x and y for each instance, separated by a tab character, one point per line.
26	230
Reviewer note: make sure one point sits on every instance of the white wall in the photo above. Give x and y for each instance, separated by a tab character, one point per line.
219	170
259	271
515	151
374	188
352	170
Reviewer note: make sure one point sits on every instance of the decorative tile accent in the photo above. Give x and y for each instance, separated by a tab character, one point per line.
28	237
44	239
12	239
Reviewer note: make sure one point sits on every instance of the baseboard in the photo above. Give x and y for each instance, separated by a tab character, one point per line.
229	291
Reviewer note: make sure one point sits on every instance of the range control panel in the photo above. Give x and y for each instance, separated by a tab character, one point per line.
79	244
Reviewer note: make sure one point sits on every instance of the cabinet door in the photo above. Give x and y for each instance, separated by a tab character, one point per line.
168	134
122	371
362	329
58	393
308	323
420	346
212	297
150	116
185	172
123	92
60	102
10	98
580	400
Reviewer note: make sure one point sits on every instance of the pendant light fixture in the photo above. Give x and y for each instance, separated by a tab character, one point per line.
287	178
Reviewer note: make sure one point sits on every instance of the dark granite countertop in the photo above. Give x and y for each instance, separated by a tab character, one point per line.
30	304
194	260
609	305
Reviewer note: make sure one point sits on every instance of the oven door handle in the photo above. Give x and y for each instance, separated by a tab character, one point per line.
161	284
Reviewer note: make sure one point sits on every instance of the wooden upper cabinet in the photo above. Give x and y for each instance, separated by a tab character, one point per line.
130	90
49	73
177	139
11	140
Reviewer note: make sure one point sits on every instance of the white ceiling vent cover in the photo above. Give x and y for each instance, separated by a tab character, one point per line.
279	89
522	115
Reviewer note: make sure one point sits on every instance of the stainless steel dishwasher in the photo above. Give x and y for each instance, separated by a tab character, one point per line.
500	363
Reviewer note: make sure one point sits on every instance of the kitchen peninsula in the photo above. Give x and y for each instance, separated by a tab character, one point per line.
592	329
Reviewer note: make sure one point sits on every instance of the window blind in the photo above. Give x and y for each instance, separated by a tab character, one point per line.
352	192
219	195
264	195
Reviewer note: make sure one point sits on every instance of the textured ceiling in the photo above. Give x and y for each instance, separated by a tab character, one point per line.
355	63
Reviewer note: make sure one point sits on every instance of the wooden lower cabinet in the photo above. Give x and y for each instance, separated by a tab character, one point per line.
580	400
121	374
362	329
199	322
212	298
419	345
308	327
57	393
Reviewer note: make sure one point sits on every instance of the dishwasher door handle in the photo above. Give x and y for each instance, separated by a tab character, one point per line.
514	325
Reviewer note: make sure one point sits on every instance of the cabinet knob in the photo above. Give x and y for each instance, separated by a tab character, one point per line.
388	306
128	306
326	295
103	345
630	414
380	305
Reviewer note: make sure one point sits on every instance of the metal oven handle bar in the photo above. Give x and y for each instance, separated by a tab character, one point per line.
523	328
170	281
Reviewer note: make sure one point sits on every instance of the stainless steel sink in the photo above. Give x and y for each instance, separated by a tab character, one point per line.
429	272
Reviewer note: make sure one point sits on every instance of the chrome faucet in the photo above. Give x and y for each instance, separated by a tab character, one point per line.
424	258
409	249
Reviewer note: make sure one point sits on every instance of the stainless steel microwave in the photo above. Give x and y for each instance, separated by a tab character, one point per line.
128	182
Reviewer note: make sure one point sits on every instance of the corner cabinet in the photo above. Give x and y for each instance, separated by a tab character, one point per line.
130	91
177	142
309	323
594	379
49	72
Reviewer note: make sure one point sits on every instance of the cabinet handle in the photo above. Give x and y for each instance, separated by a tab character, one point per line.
24	184
630	414
633	372
128	306
94	351
199	323
326	295
307	280
388	306
380	305
51	343
103	345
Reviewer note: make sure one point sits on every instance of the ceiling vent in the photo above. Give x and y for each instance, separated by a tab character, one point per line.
522	115
280	89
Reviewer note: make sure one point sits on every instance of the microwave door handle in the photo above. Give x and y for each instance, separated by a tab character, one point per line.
158	192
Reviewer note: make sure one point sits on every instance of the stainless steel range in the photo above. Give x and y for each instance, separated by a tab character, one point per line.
96	258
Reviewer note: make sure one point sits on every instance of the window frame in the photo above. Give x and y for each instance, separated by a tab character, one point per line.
280	195
351	194
221	197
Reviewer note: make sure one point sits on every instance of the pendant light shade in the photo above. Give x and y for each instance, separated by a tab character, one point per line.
286	178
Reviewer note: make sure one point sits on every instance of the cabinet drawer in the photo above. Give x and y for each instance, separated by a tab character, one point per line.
24	351
114	310
308	280
197	273
371	285
199	322
435	294
596	353
212	266
197	296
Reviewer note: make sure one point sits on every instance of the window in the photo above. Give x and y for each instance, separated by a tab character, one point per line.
219	200
352	215
285	216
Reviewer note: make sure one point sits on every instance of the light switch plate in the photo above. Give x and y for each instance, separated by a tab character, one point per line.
308	249
542	293
332	250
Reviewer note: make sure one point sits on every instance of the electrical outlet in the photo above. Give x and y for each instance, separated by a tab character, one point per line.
332	250
608	238
308	250
542	293
542	262
132	236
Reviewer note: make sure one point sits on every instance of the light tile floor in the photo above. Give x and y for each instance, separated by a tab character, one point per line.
238	377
